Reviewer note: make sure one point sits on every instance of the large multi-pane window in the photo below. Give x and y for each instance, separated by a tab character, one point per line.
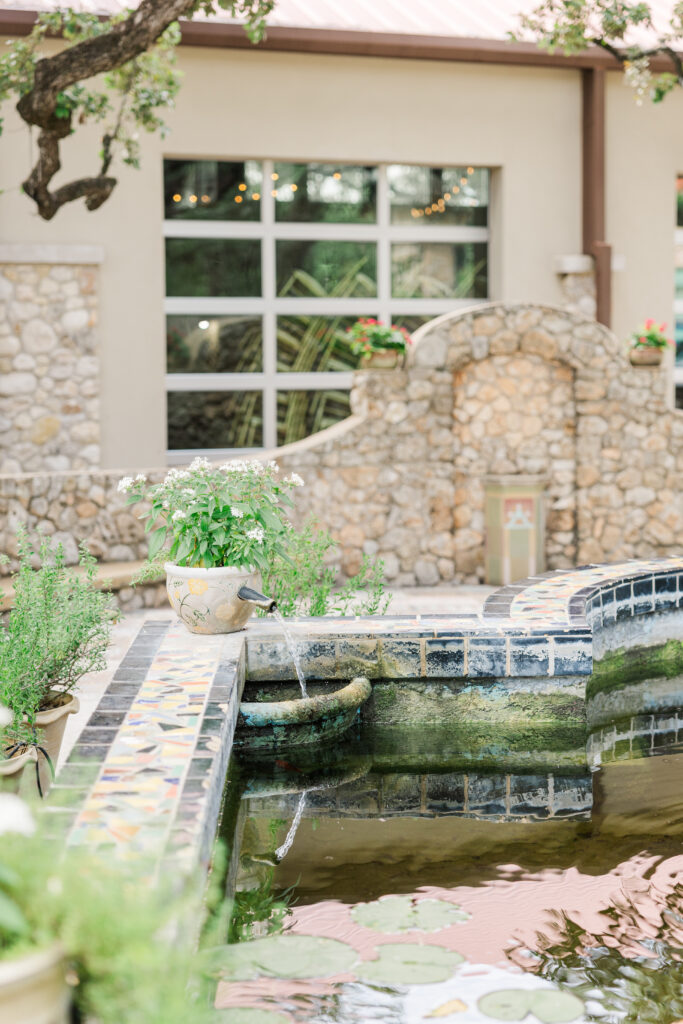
268	263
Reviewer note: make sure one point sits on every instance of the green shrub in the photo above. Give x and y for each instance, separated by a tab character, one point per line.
57	631
303	582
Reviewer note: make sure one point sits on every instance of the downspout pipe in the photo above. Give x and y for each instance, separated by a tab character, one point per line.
593	189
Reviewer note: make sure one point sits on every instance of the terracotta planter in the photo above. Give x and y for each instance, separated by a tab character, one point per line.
382	359
33	989
12	768
645	355
206	600
50	726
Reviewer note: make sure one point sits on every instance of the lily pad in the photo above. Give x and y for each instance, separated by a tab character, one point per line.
250	1015
281	956
550	1006
401	963
393	914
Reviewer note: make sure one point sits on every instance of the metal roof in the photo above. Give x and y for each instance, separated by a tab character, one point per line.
478	19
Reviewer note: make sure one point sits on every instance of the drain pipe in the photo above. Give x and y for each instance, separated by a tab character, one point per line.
593	189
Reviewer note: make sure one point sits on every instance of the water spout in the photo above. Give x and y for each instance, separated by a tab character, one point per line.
251	596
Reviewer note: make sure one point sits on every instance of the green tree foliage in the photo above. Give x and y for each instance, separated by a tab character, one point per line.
618	27
119	72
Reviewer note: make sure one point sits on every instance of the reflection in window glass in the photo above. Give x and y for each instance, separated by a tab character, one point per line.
678	337
411	323
205	344
314	269
438	195
300	413
328	193
215	419
310	343
209	266
212	190
431	270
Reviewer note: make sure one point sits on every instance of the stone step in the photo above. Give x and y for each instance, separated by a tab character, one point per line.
114	576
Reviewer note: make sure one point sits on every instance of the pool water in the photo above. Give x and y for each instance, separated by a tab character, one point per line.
397	880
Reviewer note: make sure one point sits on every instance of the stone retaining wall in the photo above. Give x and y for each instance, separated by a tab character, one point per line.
496	389
49	367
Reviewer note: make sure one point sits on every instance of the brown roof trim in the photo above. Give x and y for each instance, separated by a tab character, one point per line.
365	44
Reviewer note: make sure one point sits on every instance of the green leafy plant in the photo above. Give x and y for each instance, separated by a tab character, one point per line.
575	25
56	632
650	335
208	516
369	335
303	582
128	945
118	70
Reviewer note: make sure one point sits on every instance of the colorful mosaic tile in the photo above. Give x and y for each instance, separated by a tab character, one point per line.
133	803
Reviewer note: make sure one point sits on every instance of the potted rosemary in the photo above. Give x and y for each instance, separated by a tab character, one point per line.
57	631
648	344
380	346
220	527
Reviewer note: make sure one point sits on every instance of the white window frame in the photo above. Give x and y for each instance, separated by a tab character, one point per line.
269	231
678	312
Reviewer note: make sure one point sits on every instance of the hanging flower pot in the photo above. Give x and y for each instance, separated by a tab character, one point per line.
645	355
382	359
648	344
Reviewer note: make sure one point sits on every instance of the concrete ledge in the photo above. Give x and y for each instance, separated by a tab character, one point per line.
22	252
114	576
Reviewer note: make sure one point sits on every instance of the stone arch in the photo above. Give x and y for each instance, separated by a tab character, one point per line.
516	372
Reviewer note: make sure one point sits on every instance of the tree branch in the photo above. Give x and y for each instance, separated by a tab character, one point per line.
124	41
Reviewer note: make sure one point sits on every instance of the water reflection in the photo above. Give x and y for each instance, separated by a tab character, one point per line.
563	890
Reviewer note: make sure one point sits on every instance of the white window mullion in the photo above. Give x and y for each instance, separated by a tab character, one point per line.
269	291
383	246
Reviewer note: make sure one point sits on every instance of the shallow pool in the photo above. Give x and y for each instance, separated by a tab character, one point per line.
414	876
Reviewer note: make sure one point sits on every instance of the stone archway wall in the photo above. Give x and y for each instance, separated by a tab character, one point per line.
501	388
401	478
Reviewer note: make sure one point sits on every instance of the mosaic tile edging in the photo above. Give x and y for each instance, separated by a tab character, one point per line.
126	788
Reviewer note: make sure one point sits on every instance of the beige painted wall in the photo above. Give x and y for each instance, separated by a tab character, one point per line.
644	155
524	121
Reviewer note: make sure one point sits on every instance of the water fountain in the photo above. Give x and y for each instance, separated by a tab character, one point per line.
309	719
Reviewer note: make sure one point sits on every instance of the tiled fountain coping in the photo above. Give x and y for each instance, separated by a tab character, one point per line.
146	777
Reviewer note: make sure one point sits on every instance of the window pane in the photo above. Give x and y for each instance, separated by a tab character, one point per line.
438	195
215	419
306	343
325	192
432	270
338	269
679	341
411	323
226	344
208	266
212	190
300	413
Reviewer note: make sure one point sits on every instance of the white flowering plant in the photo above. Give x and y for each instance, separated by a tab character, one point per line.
211	515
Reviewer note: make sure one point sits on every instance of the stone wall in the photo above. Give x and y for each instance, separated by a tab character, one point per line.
515	389
49	366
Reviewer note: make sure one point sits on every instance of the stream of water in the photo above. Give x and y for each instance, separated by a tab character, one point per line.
291	647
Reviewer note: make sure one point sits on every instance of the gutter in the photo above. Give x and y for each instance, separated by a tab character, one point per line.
222	35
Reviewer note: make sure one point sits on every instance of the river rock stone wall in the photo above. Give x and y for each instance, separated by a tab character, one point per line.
499	388
49	367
